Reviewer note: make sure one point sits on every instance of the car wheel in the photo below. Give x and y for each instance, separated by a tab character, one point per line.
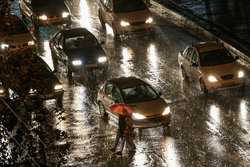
184	75
203	87
102	110
101	20
116	35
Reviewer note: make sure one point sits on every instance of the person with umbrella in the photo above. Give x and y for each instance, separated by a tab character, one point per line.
125	126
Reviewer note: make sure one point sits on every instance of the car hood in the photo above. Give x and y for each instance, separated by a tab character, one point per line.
87	53
217	71
19	38
149	108
137	16
51	9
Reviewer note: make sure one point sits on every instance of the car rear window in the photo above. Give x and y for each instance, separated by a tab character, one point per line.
216	57
122	6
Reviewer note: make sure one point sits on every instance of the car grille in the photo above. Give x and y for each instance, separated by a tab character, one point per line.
54	16
137	23
151	120
18	46
227	77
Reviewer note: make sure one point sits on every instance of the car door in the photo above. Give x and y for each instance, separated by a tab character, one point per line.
187	60
107	97
194	70
57	46
107	11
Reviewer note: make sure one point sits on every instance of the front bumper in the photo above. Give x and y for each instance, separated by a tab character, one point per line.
132	29
152	122
225	84
54	95
88	67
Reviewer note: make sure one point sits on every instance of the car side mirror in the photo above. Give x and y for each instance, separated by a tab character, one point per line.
102	42
160	93
236	58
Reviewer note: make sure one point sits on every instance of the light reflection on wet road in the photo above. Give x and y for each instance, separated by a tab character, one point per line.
205	131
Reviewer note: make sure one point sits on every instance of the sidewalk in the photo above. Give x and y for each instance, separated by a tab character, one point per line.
228	20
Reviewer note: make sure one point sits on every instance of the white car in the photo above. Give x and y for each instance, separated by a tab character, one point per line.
16	35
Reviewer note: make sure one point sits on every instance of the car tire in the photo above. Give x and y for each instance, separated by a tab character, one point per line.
102	111
184	74
203	87
101	20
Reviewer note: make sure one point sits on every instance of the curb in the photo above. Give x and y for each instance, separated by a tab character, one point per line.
193	28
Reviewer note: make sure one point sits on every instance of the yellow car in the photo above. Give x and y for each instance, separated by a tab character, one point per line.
125	16
149	109
211	66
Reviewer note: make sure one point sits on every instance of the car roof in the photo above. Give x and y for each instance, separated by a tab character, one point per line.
126	82
208	46
74	32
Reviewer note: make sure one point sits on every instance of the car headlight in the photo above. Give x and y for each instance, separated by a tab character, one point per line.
138	116
31	43
65	14
43	17
1	91
58	87
32	91
77	62
124	23
212	79
4	46
149	20
166	111
102	59
240	74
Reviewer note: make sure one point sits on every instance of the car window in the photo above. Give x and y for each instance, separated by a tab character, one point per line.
216	57
116	95
189	53
108	4
195	58
138	94
57	37
122	6
80	42
108	89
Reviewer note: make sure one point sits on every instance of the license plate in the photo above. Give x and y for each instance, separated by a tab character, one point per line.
228	84
91	65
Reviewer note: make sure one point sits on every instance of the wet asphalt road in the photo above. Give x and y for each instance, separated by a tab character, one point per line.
205	131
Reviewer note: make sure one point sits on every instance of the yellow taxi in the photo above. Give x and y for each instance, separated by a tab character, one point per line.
212	66
126	16
149	109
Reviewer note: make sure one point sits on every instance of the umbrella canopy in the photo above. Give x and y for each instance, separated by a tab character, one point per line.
121	109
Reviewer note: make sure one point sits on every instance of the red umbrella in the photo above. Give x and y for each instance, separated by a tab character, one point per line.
121	109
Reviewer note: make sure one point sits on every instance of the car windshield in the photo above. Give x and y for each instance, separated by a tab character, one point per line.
216	57
80	42
138	94
122	6
14	27
44	2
